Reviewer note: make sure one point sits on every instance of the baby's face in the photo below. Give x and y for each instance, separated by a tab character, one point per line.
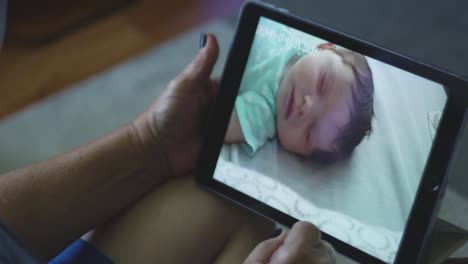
313	103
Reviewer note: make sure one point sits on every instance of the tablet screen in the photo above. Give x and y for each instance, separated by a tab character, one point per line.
327	135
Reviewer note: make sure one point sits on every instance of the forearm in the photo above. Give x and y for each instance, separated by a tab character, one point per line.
51	203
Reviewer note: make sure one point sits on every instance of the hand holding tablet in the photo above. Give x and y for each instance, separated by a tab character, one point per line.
302	244
295	94
166	119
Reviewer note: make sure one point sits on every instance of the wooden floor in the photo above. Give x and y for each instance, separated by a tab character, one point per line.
29	72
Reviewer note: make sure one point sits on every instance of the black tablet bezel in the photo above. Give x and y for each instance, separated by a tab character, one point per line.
433	180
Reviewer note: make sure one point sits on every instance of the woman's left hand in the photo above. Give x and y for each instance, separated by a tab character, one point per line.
174	122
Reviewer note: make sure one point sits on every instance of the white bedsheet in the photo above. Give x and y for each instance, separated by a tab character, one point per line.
376	187
378	241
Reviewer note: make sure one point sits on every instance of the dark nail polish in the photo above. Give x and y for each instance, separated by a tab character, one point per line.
276	233
202	40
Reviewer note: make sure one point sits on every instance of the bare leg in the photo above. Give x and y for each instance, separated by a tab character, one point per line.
181	223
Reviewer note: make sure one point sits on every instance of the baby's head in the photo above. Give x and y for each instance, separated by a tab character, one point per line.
325	103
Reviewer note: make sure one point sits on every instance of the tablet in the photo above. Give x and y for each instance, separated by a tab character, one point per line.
313	124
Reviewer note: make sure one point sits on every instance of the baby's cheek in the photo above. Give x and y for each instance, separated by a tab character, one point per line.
290	139
282	134
327	136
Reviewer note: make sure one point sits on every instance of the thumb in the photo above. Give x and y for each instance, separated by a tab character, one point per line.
202	66
263	251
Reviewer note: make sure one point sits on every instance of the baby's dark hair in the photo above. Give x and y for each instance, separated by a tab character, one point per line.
361	108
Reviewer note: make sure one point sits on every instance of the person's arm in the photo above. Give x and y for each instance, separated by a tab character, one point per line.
52	203
234	132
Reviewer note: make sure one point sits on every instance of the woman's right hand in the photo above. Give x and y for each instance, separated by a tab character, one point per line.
302	244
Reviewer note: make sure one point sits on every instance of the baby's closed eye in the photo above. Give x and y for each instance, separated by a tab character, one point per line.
321	85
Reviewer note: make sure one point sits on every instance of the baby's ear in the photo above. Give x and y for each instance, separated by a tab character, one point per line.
327	45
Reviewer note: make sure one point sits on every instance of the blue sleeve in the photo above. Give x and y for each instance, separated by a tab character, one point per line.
81	252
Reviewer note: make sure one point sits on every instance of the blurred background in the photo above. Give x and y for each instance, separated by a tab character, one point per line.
50	44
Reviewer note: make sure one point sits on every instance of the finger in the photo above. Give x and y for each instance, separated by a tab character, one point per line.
214	88
209	104
303	232
208	96
202	66
216	80
263	251
330	252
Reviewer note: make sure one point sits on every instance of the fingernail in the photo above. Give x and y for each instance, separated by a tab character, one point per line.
276	233
202	40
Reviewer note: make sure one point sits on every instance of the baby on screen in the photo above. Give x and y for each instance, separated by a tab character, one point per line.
318	104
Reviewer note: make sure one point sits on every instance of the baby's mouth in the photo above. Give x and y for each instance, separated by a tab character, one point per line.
290	105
